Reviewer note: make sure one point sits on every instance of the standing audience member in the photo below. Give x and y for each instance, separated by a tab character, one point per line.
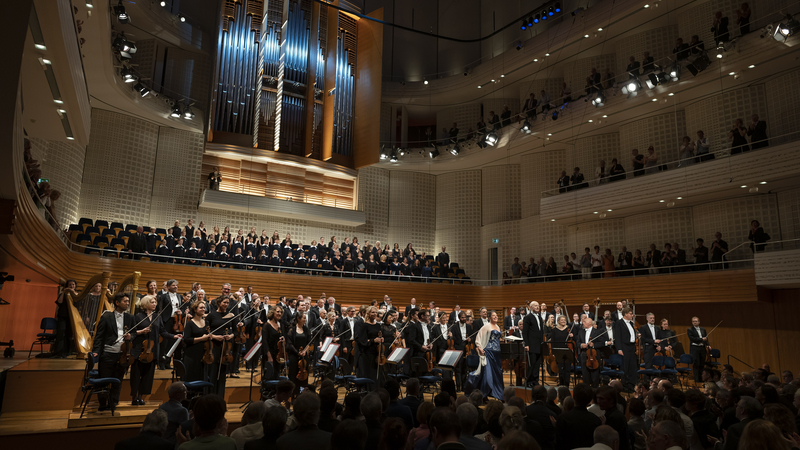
210	427
633	67
743	19
616	172
686	152
757	236
720	28
600	173
738	138
273	425
637	161
701	148
151	435
563	182
757	130
577	179
648	63
651	160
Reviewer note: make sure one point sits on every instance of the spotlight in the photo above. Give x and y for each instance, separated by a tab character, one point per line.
530	21
720	49
491	139
526	127
393	157
455	150
699	64
181	17
554	116
558	7
425	81
656	78
631	86
787	29
523	26
402	151
127	75
550	11
176	111
125	47
433	153
544	14
384	152
163	4
674	72
141	89
122	16
188	114
536	18
600	100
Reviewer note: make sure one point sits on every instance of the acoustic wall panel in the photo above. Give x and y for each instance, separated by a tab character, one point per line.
458	219
412	210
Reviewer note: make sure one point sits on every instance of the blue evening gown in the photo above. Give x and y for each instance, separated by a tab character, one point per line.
490	379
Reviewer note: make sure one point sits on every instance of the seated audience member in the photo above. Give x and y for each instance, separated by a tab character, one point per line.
576	427
150	436
393	434
636	424
273	425
252	427
563	182
696	46
396	409
445	429
372	408
176	413
633	67
350	435
701	147
616	172
327	420
665	435
307	434
681	50
757	130
210	426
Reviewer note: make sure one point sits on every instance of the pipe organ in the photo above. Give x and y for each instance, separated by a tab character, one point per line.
273	62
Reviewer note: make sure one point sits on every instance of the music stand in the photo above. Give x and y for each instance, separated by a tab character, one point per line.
512	351
328	341
329	352
397	356
450	358
253	351
565	354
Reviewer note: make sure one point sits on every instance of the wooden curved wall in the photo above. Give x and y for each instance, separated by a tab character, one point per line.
753	327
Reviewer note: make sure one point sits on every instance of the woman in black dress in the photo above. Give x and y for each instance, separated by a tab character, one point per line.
390	333
272	337
148	326
253	324
195	335
297	340
559	336
738	137
368	340
221	327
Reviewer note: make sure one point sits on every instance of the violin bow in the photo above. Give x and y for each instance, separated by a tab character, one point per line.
712	330
437	337
158	314
400	333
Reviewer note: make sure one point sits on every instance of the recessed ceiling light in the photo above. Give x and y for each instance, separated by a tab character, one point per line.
600	29
58	101
732	73
661	201
46	61
70	138
552	220
763	182
425	81
479	87
535	59
604	116
743	186
40	46
62	111
550	134
586	35
493	80
608	210
502	75
646	6
679	198
655	100
547	54
595	212
670	94
751	66
590	120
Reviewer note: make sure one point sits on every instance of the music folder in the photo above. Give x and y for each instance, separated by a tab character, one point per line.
174	347
327	355
328	341
253	351
450	358
397	355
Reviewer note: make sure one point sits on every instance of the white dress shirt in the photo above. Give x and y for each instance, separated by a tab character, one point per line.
175	301
425	333
700	335
652	329
118	316
588	332
630	330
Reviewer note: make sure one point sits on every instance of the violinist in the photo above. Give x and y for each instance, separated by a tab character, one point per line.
297	340
347	328
665	334
589	338
107	346
439	335
650	341
368	341
699	344
272	336
625	341
239	309
145	340
251	324
609	337
390	333
461	335
560	336
533	335
195	336
221	324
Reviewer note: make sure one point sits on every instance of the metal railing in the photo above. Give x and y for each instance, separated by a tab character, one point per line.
32	189
737	359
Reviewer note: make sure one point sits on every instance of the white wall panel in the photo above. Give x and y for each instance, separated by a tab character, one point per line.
501	193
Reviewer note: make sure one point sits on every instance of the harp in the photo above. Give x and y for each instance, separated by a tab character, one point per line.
83	336
129	285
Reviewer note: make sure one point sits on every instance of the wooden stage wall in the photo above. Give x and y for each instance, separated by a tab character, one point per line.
756	327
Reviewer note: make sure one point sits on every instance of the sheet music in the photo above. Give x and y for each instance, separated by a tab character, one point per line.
397	355
450	358
328	341
327	355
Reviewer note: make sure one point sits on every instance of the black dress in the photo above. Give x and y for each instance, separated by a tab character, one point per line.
368	352
142	373
558	338
269	344
295	343
218	374
739	144
193	352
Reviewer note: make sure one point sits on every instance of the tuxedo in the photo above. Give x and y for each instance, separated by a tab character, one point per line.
137	243
624	340
616	315
509	321
588	313
648	341
387	307
409	308
415	339
241	310
697	348
108	334
336	308
453	317
591	377
533	334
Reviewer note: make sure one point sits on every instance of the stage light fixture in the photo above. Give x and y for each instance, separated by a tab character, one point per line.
558	7
536	18
554	116
632	86
163	4
491	139
550	11
393	156
524	26
188	114
600	100
433	153
141	89
674	72
786	29
402	151
384	152
455	150
176	111
122	16
544	14
182	18
530	21
127	75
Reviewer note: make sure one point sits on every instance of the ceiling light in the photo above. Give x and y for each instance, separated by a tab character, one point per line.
70	138
661	201
679	198
89	4
549	134
163	4
751	66
600	29
646	6
535	60
46	61
604	116
40	46
61	111
547	54
763	182
595	212
670	94
550	11
719	55
122	16
181	17
743	186
655	100
493	80
58	101
732	73
425	81
479	86
586	35
552	220
590	120
502	75
608	210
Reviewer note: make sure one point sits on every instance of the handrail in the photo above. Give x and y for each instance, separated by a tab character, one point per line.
749	242
731	356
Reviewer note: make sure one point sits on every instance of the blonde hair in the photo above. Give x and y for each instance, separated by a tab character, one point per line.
145	300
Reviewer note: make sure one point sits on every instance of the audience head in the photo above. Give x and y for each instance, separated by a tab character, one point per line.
307	408
156	422
254	413
445	426
393	434
424	412
748	407
604	434
209	414
518	440
273	421
327	400
511	419
763	435
666	434
349	435
582	393
468	416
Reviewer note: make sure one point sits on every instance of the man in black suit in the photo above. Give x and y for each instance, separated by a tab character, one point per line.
625	261
538	412
617	314
137	243
150	436
107	347
625	341
633	67
704	422
589	337
681	50
387	304
307	434
413	305
511	320
586	311
413	335
444	260
576	427
532	335
720	28
347	325
332	304
650	341
411	399
607	401
481	320
757	130
454	315
698	339
748	409
169	304
648	63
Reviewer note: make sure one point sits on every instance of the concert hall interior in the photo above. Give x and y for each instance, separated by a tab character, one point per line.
196	192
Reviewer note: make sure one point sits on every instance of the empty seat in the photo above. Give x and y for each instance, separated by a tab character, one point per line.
92	231
74	231
109	234
84	222
93	250
161	232
117	244
454	266
131	228
101	224
100	241
83	239
117	226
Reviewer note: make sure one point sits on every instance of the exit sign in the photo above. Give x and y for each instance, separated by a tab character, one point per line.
44	180
495	241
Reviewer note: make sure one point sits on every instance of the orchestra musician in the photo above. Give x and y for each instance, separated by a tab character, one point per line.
511	320
413	305
481	320
390	333
617	315
589	337
149	326
665	334
195	336
626	347
587	312
368	340
257	316
440	332
107	347
169	304
558	337
347	330
297	340
650	341
219	322
609	337
698	348
462	332
533	334
272	334
239	309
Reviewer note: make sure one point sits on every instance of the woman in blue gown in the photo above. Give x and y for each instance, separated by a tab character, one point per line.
488	377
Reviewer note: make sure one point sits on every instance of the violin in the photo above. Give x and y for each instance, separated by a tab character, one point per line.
257	332
241	334
429	356
381	360
451	343
281	356
592	362
147	350
180	322
125	357
208	354
302	363
227	349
